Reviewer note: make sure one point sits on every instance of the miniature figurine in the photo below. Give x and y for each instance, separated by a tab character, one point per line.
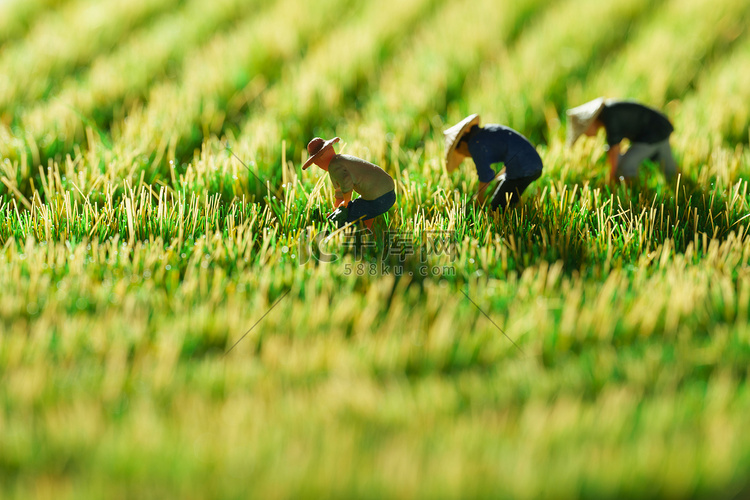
647	129
493	144
348	173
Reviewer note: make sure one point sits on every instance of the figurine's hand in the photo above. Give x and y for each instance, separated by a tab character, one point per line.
481	201
339	203
339	216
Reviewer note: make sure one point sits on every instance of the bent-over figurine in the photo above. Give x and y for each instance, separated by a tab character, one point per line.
647	129
493	144
348	173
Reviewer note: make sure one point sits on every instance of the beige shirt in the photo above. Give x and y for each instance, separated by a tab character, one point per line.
349	172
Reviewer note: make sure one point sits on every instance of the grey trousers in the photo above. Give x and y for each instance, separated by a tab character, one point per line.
639	152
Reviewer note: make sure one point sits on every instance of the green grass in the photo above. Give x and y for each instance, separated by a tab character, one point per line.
593	342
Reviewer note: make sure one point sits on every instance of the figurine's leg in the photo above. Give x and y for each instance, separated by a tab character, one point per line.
508	191
364	210
629	162
666	159
357	210
504	195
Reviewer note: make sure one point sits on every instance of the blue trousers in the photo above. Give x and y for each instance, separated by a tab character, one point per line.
509	191
368	209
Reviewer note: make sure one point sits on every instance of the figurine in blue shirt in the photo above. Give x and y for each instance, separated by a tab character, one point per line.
492	144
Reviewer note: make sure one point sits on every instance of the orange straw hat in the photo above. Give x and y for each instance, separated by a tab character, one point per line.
580	118
452	157
316	147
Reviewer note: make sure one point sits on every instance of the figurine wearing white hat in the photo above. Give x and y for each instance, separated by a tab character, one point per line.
348	173
647	129
492	144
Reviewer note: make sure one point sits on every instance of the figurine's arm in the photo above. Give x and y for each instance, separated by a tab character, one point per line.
343	183
485	173
482	192
339	197
346	200
613	156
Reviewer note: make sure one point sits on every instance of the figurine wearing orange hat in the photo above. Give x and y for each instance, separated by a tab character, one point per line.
348	174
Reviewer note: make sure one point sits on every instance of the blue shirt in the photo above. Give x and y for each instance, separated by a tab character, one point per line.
499	144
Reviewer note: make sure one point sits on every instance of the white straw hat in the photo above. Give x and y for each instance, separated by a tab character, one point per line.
580	118
452	157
